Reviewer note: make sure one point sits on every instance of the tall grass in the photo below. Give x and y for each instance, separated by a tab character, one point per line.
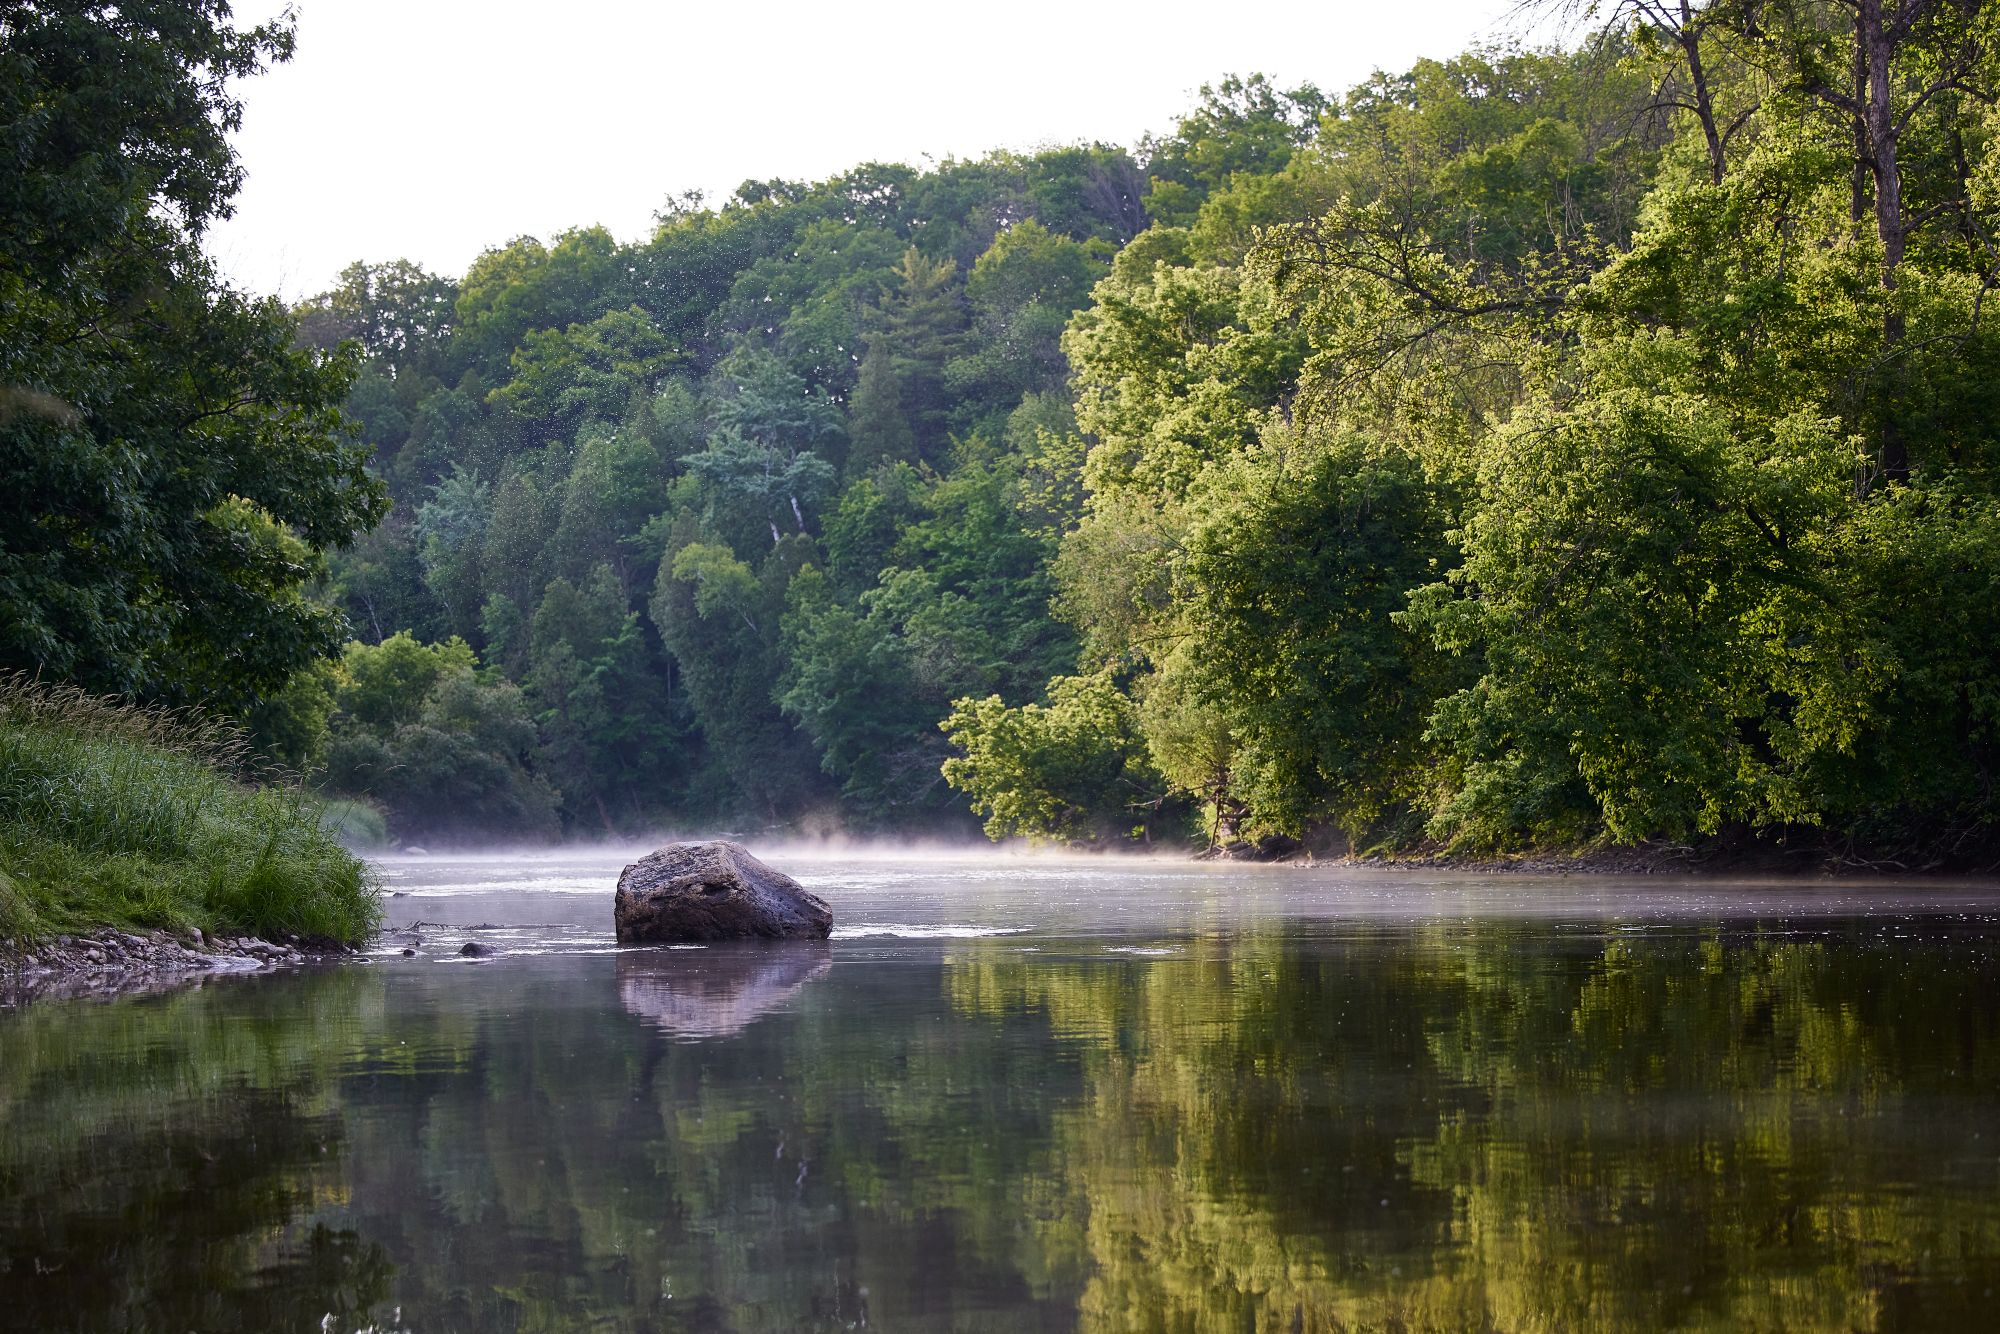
114	815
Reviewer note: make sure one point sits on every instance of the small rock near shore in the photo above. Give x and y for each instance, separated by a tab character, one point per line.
697	892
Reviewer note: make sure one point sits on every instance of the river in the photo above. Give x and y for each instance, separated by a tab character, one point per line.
1039	1093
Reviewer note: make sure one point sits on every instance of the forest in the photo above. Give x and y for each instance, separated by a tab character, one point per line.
1540	447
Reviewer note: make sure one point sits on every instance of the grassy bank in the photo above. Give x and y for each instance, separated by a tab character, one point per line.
117	816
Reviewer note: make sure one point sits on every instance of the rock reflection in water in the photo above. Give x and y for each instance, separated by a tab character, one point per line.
719	990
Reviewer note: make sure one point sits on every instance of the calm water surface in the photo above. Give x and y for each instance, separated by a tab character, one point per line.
1039	1094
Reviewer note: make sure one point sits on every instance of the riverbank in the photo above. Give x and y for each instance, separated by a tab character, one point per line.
113	962
1635	860
115	818
1810	855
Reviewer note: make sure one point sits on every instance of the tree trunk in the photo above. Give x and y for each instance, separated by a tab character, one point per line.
1689	38
1882	134
1875	43
1858	205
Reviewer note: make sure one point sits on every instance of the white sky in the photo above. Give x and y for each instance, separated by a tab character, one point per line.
432	129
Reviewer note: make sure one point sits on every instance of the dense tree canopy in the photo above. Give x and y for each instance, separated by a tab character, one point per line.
1567	444
1534	445
743	508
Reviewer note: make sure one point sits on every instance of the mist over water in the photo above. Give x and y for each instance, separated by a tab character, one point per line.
560	898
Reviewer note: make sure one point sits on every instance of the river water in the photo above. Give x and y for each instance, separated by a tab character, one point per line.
1035	1093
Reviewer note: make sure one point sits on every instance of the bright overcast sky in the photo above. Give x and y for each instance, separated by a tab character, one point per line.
432	129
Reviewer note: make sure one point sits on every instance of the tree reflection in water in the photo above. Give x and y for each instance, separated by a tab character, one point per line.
1476	1126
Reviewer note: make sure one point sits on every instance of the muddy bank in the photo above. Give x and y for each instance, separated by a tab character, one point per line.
110	962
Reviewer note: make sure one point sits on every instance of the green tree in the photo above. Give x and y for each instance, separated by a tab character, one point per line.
920	319
586	372
383	686
399	313
807	301
1073	769
377	582
1243	125
721	618
1678	575
765	466
526	286
610	733
177	466
294	726
937	591
524	518
616	485
446	753
767	401
849	685
878	430
1022	291
1293	581
449	429
451	538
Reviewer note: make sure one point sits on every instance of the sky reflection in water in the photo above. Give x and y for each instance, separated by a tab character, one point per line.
1168	1097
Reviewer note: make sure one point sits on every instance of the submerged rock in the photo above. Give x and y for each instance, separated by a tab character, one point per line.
472	949
690	892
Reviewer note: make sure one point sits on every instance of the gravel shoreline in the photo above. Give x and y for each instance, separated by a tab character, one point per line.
110	962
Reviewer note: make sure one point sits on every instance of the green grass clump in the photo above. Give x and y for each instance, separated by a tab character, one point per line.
112	815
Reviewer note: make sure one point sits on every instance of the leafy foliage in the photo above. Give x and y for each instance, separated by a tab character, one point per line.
446	752
1061	770
176	465
1535	445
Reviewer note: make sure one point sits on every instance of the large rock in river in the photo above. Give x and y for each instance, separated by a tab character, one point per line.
713	891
